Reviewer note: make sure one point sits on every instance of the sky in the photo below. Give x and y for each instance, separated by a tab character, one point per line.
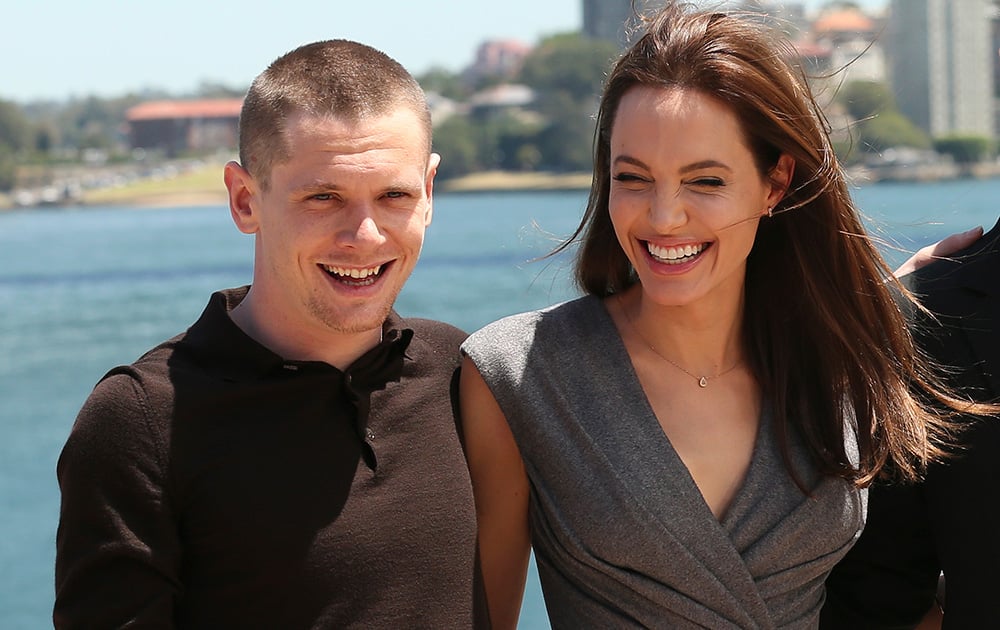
61	49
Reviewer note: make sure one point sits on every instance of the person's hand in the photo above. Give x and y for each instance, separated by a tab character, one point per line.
945	247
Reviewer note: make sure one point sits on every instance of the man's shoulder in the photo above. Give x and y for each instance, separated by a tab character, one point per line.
434	346
946	286
151	366
981	257
437	334
432	328
204	337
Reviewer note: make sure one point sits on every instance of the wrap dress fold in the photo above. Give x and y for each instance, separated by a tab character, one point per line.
621	534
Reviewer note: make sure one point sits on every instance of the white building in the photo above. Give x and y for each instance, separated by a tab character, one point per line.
941	64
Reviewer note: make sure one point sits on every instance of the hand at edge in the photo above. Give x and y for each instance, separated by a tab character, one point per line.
943	248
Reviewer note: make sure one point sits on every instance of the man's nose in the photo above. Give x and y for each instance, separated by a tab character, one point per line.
362	228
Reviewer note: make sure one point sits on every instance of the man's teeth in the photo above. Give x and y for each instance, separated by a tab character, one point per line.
357	274
674	254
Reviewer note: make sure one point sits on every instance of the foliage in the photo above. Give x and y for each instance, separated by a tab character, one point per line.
15	135
847	151
569	63
554	133
890	129
445	83
95	123
965	149
455	141
864	99
215	89
567	72
565	143
8	169
15	129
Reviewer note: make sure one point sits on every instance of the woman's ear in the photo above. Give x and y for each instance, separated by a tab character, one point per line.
780	178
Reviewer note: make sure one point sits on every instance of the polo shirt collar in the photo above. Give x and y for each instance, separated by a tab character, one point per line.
236	356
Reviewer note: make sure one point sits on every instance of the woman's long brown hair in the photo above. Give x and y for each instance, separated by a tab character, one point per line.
826	331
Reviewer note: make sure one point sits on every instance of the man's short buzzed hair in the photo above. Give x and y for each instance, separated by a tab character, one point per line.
338	78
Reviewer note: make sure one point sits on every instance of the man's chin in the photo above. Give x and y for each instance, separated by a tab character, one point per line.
354	321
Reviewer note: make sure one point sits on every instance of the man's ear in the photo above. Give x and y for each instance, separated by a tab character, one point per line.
243	191
781	178
432	167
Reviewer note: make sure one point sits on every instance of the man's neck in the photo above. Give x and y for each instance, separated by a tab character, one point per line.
295	342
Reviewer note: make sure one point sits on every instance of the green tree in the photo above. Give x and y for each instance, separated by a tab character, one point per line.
569	63
8	169
456	140
864	99
890	129
15	138
565	142
45	138
445	83
95	122
965	149
216	89
567	72
501	135
15	128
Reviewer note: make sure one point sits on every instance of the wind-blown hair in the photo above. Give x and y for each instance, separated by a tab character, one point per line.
336	78
824	332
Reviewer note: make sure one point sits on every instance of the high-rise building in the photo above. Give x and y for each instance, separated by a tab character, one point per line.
613	20
941	64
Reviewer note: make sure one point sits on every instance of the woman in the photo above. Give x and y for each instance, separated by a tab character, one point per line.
686	445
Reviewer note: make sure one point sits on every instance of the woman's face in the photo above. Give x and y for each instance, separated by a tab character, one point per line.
686	194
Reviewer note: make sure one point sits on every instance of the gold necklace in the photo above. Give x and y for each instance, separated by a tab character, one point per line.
702	380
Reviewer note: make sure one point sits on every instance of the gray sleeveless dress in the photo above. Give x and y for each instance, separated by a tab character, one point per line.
621	534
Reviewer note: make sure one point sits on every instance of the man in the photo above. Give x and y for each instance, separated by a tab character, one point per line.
950	522
291	460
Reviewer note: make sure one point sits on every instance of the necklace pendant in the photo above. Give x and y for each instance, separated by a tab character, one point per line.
703	381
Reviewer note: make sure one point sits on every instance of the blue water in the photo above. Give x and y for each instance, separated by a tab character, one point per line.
82	290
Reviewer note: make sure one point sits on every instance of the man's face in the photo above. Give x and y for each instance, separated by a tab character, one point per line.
341	225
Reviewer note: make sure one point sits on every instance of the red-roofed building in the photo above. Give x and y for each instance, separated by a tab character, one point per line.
849	21
498	58
844	41
178	127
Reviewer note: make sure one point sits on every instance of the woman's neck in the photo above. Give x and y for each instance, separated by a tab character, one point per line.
705	337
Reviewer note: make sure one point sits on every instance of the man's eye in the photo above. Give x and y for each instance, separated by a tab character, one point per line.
322	197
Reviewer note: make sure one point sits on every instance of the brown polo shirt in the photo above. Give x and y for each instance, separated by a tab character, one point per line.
212	484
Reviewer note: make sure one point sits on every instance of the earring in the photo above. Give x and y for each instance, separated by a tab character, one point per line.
770	211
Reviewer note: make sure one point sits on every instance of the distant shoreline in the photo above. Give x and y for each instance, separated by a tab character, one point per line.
183	195
205	188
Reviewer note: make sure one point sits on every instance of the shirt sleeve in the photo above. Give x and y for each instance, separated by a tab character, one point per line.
117	545
888	580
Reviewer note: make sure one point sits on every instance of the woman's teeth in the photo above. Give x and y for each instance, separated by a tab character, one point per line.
674	255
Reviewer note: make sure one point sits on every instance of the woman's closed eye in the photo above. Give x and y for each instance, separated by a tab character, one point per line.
628	178
708	182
